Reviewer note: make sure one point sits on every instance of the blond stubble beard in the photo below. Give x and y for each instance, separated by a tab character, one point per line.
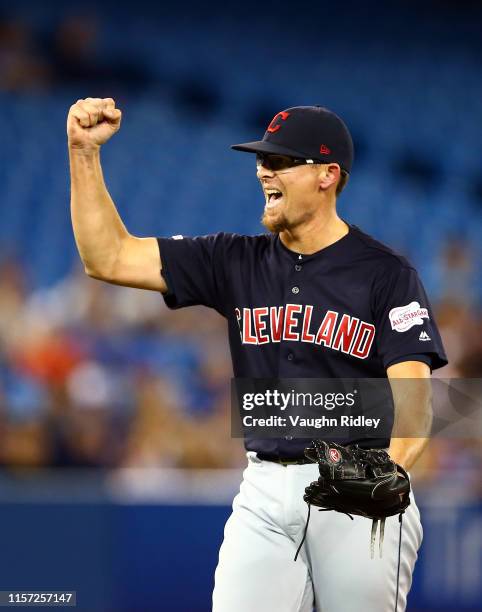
275	226
281	223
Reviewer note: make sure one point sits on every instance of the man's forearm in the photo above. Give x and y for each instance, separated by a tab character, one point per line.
98	228
413	420
412	398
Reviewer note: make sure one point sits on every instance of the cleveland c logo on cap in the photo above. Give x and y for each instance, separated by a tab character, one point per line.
273	126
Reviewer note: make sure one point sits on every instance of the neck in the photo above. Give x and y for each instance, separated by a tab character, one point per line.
316	234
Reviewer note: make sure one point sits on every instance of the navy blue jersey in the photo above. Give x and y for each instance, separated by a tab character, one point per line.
348	311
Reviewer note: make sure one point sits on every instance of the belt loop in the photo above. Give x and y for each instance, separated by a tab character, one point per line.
253	457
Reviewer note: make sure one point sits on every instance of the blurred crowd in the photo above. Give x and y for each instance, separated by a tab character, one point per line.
93	375
67	52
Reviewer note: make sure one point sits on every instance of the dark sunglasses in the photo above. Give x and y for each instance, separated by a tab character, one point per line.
280	162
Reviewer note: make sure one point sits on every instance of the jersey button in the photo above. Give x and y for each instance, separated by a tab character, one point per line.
295	290
298	267
290	357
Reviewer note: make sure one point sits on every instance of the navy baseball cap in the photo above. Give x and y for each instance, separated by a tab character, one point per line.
307	132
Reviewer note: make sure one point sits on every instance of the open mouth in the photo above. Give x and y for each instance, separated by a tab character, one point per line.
272	197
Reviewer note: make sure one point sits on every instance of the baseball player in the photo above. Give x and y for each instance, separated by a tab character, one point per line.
314	297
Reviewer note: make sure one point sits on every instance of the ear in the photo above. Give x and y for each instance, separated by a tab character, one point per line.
329	175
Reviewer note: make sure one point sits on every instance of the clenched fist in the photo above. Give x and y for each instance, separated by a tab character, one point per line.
91	122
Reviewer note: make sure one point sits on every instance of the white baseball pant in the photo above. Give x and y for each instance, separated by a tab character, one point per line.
334	572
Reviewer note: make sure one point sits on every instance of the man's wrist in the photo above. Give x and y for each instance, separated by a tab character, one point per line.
84	151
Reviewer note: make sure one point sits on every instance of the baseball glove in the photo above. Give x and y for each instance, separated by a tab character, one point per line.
358	481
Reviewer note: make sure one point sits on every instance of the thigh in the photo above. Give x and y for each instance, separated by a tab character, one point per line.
256	571
346	578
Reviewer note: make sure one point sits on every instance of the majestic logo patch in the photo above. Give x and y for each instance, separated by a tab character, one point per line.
403	318
334	455
424	337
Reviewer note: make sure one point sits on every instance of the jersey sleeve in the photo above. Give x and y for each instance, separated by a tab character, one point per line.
404	320
194	271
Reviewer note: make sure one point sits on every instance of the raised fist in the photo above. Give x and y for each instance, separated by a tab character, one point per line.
91	122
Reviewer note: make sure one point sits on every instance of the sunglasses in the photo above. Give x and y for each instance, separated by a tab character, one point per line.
280	162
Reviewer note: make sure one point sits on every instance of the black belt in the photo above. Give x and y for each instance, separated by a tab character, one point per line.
282	461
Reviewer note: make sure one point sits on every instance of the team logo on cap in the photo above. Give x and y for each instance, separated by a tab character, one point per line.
334	455
274	126
324	150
